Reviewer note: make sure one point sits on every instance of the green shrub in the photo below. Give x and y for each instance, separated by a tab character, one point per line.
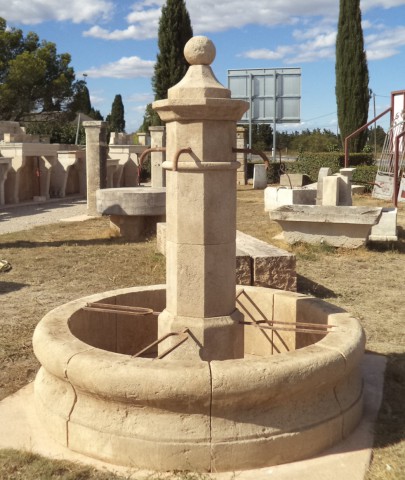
310	163
365	175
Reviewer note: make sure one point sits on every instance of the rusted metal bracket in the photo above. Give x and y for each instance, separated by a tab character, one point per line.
291	326
120	309
184	334
144	154
253	152
179	152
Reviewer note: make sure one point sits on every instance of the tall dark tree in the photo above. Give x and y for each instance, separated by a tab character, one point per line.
81	98
352	91
175	31
116	118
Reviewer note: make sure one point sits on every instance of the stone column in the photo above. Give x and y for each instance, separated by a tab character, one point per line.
5	165
143	138
96	162
201	211
241	177
157	139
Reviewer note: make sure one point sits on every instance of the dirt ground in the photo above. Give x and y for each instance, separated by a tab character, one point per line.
58	263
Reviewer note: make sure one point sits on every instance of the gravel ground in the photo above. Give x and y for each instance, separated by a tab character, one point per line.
14	218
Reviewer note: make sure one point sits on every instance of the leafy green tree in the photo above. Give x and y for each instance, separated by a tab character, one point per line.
33	76
262	136
352	92
175	31
116	118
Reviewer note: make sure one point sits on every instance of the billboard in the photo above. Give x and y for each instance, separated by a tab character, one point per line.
274	94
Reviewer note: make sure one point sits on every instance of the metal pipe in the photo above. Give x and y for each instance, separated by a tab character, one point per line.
122	309
358	131
253	152
285	329
396	168
143	155
179	152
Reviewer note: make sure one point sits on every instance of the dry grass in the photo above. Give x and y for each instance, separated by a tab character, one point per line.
56	264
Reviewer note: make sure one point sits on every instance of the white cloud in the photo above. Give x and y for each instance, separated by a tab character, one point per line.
126	67
369	4
37	11
316	42
133	32
385	43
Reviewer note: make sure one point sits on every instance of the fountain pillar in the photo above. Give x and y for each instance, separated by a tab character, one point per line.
201	171
96	162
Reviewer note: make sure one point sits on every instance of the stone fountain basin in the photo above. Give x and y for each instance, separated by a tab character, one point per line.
134	211
293	395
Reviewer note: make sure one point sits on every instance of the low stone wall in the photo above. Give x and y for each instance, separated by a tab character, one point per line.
257	262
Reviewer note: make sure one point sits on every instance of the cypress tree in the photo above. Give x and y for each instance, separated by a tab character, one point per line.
116	118
352	92
174	32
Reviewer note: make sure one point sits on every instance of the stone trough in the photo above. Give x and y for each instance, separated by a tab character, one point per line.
134	211
339	226
200	374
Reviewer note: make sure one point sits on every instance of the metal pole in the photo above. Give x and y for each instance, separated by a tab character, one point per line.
77	130
274	116
250	113
375	131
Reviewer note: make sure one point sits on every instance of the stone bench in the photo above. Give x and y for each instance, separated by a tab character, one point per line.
134	211
257	262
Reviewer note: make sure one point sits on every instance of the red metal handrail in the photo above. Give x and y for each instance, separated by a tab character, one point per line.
358	131
396	168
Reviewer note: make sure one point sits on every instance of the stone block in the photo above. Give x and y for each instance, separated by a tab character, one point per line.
345	191
276	197
323	172
347	172
271	266
259	176
386	228
294	180
330	191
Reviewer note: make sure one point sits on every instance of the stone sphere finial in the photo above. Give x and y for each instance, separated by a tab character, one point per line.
199	50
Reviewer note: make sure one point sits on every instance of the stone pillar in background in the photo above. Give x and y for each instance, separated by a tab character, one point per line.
143	138
96	162
241	176
201	211
157	139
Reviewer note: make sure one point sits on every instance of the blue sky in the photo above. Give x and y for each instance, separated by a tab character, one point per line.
115	43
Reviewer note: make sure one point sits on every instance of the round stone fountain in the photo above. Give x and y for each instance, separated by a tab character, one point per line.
199	374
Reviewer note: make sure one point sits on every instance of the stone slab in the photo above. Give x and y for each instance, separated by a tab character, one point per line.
327	214
346	227
259	176
275	197
21	429
386	228
294	180
270	266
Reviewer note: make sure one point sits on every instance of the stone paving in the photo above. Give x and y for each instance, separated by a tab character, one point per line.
14	218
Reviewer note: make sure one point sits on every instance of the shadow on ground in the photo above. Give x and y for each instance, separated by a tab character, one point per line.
7	287
307	286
